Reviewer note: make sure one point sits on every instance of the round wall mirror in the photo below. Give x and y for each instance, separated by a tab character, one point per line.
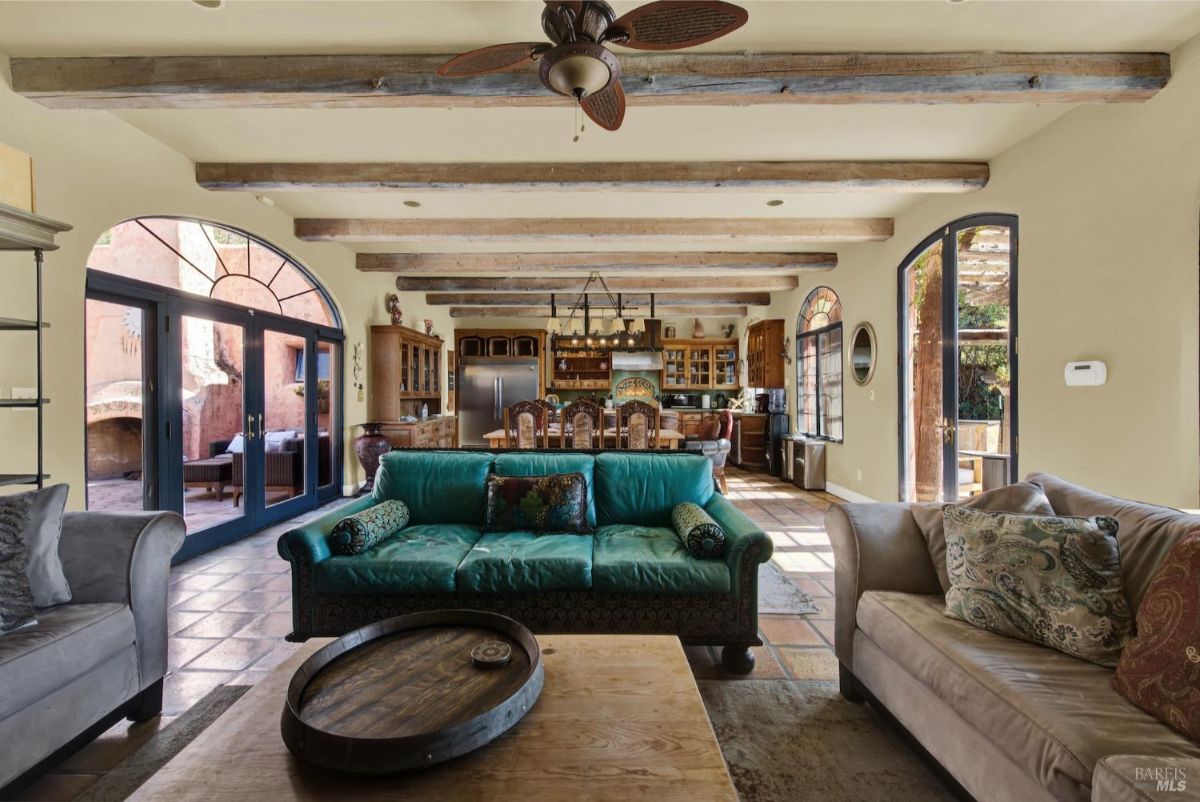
862	353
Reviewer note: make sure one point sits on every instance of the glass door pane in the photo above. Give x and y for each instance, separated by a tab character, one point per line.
329	373
984	427
282	422
119	478
216	427
924	416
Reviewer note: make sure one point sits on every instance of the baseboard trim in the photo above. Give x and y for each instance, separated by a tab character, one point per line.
848	494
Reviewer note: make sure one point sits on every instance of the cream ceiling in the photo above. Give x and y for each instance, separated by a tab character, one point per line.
979	132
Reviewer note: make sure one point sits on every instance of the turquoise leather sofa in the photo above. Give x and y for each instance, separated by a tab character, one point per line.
633	575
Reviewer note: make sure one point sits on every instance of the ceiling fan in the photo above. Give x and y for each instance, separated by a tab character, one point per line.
578	64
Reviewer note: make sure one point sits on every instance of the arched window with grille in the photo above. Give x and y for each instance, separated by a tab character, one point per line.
819	366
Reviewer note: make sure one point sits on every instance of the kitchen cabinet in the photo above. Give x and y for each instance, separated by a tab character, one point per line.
405	366
764	354
439	432
700	365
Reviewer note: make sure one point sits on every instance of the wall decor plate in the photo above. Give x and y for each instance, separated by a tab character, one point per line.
353	705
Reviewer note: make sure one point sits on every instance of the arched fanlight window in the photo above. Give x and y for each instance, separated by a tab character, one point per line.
819	366
214	262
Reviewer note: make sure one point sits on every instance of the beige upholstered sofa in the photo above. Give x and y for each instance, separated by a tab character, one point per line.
1008	720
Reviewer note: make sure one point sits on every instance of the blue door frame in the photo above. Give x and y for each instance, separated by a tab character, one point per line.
163	389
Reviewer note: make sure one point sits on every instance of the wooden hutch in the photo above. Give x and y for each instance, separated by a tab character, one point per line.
764	354
406	373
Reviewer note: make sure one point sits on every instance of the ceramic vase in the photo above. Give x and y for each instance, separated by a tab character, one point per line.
369	447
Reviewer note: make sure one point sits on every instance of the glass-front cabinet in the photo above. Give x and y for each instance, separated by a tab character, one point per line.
694	365
700	366
725	367
675	375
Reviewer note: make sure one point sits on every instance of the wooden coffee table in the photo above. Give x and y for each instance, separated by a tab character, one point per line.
619	718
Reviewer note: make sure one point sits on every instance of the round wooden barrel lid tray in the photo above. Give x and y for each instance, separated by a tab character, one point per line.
406	693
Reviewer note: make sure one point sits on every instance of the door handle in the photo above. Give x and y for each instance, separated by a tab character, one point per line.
260	434
249	427
501	408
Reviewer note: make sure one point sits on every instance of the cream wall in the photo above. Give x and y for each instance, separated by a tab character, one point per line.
1107	199
93	171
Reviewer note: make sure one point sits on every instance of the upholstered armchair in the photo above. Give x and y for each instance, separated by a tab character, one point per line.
714	442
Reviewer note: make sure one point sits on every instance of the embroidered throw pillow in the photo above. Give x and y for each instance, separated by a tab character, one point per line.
1159	670
43	530
555	502
16	597
356	533
1046	579
703	537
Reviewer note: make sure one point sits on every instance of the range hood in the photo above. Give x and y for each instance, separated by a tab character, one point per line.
636	360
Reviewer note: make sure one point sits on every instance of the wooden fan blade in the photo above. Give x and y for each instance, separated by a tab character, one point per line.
606	107
675	24
496	58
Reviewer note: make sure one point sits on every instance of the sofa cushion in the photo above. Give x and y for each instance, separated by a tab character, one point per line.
523	562
439	487
1019	497
1145	536
643	488
700	534
356	533
419	559
1053	714
1047	579
67	642
651	559
16	596
554	503
1159	670
533	464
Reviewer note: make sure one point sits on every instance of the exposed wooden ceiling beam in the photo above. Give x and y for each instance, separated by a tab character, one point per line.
596	229
577	263
778	176
563	300
674	79
686	283
544	311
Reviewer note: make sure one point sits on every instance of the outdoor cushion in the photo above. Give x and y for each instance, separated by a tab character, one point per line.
1052	714
419	559
651	559
530	464
521	562
642	489
67	642
439	487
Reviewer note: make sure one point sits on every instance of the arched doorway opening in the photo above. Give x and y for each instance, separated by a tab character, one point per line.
213	378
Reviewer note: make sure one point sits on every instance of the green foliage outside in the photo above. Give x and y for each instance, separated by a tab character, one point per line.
982	369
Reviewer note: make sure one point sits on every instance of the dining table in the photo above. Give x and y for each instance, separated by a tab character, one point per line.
667	438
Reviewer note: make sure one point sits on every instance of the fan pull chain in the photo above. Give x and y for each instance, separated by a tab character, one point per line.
578	119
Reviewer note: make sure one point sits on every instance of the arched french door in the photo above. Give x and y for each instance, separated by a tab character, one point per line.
213	379
957	312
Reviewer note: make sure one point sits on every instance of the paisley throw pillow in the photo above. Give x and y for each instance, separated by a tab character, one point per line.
16	596
554	502
1159	670
356	533
702	536
1046	579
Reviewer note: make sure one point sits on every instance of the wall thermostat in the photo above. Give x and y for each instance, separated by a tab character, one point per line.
1085	374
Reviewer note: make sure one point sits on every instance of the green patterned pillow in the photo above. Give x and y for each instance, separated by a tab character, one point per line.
553	502
1047	579
356	533
702	536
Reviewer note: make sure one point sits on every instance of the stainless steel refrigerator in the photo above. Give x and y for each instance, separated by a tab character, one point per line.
487	385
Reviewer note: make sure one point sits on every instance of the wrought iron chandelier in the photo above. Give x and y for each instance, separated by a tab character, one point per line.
585	310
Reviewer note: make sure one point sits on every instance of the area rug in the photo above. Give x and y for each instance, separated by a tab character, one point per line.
128	775
786	740
778	594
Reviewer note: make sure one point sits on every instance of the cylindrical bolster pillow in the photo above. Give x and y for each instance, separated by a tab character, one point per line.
702	536
356	533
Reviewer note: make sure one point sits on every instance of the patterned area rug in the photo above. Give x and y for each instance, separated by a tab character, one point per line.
778	594
119	783
789	740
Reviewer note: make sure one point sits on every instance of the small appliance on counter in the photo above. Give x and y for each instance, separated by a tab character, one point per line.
706	401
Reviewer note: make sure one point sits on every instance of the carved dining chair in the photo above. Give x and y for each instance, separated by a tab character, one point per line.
637	425
551	412
525	425
585	420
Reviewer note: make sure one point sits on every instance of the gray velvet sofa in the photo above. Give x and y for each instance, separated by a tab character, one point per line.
1007	719
102	656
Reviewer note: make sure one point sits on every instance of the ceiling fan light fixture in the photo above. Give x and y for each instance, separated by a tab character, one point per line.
579	69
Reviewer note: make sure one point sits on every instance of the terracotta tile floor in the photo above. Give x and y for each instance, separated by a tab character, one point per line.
229	610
